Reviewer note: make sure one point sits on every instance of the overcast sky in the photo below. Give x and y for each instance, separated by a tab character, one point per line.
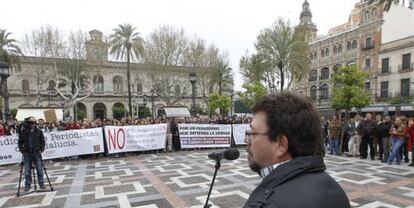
232	25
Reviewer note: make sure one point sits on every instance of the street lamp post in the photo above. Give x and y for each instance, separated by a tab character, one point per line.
193	80
4	74
152	103
62	103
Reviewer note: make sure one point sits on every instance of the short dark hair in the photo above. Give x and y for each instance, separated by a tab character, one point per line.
295	117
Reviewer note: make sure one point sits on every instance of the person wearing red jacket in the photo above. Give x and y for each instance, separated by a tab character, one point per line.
410	132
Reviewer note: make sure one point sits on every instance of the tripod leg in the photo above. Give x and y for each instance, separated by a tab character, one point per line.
47	176
20	179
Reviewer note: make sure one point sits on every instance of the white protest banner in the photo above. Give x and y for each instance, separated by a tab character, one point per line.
204	135
135	138
73	142
58	144
9	150
239	133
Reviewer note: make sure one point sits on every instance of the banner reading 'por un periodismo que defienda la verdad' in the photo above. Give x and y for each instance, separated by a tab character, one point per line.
204	135
135	138
58	145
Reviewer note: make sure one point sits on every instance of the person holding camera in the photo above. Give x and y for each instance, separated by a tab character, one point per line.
31	145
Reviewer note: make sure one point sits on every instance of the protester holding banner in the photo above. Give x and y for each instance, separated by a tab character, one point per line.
31	145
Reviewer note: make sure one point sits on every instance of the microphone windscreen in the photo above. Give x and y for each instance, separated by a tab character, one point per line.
231	154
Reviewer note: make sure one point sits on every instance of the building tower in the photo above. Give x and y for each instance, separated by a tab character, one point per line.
306	21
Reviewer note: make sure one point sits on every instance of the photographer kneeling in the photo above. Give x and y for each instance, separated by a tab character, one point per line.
31	145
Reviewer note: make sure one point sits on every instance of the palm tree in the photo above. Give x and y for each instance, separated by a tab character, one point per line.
126	43
10	53
283	49
222	76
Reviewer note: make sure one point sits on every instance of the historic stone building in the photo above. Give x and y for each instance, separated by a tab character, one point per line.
357	42
33	86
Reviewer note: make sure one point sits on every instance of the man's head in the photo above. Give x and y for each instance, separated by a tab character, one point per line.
285	126
368	117
41	122
357	118
387	118
30	121
378	118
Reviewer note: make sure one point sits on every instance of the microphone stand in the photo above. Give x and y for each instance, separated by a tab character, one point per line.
217	167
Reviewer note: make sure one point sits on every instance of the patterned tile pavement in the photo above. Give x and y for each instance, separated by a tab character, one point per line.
182	179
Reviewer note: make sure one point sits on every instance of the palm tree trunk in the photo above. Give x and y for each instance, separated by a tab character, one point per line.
129	83
282	76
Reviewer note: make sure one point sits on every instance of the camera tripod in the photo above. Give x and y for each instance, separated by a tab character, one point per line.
32	168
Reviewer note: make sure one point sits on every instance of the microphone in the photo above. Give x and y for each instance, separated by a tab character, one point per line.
228	154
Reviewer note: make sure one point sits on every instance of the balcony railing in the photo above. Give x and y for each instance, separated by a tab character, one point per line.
404	68
368	46
393	96
313	79
385	70
323	77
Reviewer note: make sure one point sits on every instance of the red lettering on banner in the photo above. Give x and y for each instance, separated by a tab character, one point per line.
113	139
123	142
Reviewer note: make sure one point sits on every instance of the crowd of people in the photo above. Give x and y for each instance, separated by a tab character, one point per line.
389	139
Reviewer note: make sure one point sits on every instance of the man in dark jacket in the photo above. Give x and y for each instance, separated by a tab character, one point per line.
384	134
285	148
31	145
369	131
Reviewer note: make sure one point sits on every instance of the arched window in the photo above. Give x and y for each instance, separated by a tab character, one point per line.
51	87
177	90
325	73
322	53
354	44
327	51
348	46
118	84
313	76
315	55
313	92
25	86
139	88
367	16
335	49
98	83
311	56
374	13
340	48
324	91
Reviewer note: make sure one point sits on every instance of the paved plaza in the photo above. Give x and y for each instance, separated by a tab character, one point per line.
182	179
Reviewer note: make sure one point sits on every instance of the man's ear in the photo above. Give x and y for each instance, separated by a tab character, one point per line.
283	144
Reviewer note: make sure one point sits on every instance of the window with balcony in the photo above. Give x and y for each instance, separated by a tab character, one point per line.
98	83
354	44
324	73
405	87
369	43
340	48
324	91
118	84
367	63
368	86
406	61
385	65
25	86
313	92
384	89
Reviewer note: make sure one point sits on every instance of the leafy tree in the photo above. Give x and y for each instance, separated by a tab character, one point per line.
222	102
284	48
144	112
126	43
240	107
254	91
349	91
118	112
